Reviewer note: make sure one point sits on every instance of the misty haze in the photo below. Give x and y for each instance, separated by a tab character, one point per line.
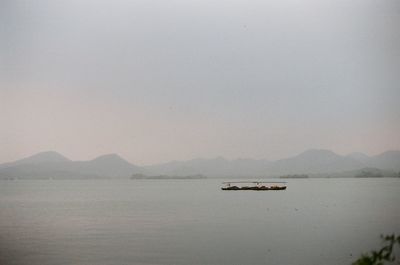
199	132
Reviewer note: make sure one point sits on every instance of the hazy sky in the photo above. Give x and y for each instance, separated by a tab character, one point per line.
158	80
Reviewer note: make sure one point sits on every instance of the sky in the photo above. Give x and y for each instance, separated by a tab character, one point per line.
157	80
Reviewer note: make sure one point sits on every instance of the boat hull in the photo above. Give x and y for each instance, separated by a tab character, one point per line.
262	188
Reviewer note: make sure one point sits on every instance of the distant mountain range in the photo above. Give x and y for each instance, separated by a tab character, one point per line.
54	165
211	167
315	161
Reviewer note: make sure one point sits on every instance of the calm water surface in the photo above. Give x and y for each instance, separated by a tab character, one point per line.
179	222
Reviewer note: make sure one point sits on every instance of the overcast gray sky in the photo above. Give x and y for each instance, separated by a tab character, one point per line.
158	80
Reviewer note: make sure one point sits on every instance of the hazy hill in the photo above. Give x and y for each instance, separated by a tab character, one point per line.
211	167
314	161
106	165
39	158
389	160
363	158
53	165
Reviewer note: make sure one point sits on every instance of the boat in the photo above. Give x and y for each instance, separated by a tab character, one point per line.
253	185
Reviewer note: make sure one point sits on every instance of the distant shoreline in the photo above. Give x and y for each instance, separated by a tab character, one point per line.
194	177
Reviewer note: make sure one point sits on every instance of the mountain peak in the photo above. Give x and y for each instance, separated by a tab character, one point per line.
42	157
390	153
318	152
358	154
110	158
111	155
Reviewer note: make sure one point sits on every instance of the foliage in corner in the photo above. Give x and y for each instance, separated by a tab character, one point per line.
385	254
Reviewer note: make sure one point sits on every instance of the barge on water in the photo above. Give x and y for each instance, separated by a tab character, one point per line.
253	185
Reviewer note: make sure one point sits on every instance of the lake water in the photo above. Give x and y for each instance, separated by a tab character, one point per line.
183	222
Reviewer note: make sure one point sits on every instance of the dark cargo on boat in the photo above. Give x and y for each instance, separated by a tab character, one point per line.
257	186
